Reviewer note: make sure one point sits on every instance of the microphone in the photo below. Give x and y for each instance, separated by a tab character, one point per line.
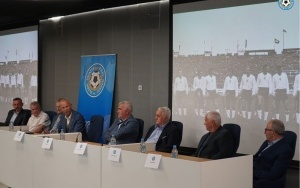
77	137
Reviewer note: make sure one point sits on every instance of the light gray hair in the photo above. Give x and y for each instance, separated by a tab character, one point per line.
215	116
128	105
277	126
165	111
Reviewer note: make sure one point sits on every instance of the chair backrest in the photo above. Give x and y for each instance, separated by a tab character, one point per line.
179	125
28	114
141	129
291	139
51	114
95	129
235	130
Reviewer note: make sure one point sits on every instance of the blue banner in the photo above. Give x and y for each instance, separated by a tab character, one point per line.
97	86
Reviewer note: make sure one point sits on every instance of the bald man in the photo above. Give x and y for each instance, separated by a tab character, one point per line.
71	120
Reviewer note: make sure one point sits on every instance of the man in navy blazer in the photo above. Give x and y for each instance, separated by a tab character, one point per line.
218	142
17	115
273	157
71	120
125	128
164	134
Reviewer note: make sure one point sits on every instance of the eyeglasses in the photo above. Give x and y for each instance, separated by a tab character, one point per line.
269	130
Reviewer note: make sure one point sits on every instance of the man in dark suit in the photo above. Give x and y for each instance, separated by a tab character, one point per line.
163	133
125	128
71	120
273	157
218	142
18	116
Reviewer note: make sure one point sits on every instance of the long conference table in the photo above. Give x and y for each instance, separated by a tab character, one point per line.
25	164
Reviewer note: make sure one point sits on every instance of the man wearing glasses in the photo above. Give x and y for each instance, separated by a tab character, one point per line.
273	157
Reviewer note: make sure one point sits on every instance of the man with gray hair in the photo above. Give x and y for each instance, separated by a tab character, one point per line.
218	142
273	157
164	134
39	120
125	128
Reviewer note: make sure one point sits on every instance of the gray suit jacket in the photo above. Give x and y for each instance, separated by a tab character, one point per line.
127	133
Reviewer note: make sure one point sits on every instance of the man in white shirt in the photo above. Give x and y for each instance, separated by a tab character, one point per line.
281	90
198	87
39	120
211	91
33	87
180	92
20	83
13	85
230	92
264	84
7	86
248	89
296	95
1	85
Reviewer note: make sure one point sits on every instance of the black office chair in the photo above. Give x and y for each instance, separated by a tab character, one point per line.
141	129
235	130
27	116
51	114
95	129
291	139
179	125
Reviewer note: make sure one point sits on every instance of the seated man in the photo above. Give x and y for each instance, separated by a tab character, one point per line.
164	134
39	120
71	120
18	116
56	119
125	128
273	157
218	142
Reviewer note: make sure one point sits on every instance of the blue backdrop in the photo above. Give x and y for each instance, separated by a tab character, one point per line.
97	86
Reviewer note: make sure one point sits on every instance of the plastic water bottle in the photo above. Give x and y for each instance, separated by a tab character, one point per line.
143	146
62	135
174	153
113	140
11	126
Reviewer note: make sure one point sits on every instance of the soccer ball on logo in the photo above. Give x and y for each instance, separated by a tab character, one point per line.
95	80
286	3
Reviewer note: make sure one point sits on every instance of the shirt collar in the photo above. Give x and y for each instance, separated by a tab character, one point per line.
273	142
161	128
69	117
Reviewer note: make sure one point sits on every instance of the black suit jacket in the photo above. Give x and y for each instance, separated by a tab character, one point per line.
170	136
270	167
220	145
21	119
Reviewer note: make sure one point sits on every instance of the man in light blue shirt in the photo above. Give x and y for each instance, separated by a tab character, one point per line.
164	134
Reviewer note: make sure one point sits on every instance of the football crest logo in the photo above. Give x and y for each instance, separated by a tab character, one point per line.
95	79
285	4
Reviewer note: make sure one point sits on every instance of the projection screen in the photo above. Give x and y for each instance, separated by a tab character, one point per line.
223	53
18	67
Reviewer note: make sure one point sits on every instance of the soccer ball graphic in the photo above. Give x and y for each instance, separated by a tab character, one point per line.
286	3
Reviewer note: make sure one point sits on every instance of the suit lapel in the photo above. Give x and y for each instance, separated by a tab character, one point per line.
272	148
